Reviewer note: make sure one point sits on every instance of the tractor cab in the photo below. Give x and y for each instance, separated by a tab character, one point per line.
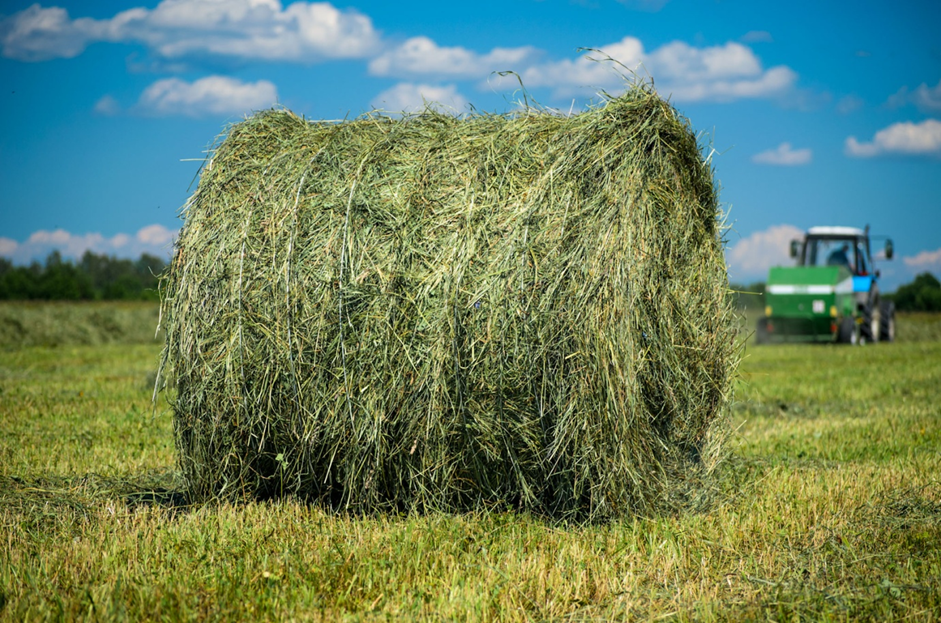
846	247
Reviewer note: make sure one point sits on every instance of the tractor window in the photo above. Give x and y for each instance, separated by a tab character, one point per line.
829	252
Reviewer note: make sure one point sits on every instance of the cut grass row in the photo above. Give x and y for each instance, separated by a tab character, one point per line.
829	507
59	323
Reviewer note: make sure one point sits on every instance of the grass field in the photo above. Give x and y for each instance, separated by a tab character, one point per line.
828	508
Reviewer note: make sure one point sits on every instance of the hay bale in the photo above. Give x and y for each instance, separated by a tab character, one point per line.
442	313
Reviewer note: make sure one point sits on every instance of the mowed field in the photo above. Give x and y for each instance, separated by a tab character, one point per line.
827	508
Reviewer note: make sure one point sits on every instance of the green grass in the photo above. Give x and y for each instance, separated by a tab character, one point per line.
828	508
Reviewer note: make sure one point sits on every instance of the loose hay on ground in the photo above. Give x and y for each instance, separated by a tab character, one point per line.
433	312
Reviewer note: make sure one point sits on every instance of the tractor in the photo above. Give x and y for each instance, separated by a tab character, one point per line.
831	295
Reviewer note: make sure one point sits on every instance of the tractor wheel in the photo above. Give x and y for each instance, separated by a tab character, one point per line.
847	330
887	321
761	331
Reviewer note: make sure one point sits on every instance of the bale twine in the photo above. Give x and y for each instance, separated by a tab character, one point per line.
434	313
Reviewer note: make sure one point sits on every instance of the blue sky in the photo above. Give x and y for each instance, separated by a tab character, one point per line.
819	113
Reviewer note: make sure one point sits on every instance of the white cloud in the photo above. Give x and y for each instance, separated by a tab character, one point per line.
212	95
679	60
766	84
156	235
409	97
719	73
70	245
784	155
569	76
685	73
36	34
153	239
750	258
107	106
420	56
313	31
926	99
261	29
906	138
8	246
926	260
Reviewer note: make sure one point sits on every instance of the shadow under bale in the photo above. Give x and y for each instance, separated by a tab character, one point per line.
449	313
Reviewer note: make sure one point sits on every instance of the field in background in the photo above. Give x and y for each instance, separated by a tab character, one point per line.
828	507
45	323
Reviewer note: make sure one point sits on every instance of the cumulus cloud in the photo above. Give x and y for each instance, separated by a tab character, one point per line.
409	97
902	139
7	246
153	239
681	60
260	29
37	34
420	56
568	76
156	235
750	258
212	95
926	99
718	73
178	30
685	73
784	155
925	261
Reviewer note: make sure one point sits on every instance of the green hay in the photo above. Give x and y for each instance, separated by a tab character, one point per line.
439	313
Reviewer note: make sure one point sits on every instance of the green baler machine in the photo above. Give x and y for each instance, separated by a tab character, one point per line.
831	295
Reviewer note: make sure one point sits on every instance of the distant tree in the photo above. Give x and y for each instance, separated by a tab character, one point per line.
923	294
95	267
62	281
93	277
16	282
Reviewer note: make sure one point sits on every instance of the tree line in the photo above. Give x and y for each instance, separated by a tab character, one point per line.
93	277
923	294
103	278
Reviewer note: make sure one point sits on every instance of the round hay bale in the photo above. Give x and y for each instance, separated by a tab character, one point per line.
432	312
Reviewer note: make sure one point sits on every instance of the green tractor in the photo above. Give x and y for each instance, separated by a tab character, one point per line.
831	295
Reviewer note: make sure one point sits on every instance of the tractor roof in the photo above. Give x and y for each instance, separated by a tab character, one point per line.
835	231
